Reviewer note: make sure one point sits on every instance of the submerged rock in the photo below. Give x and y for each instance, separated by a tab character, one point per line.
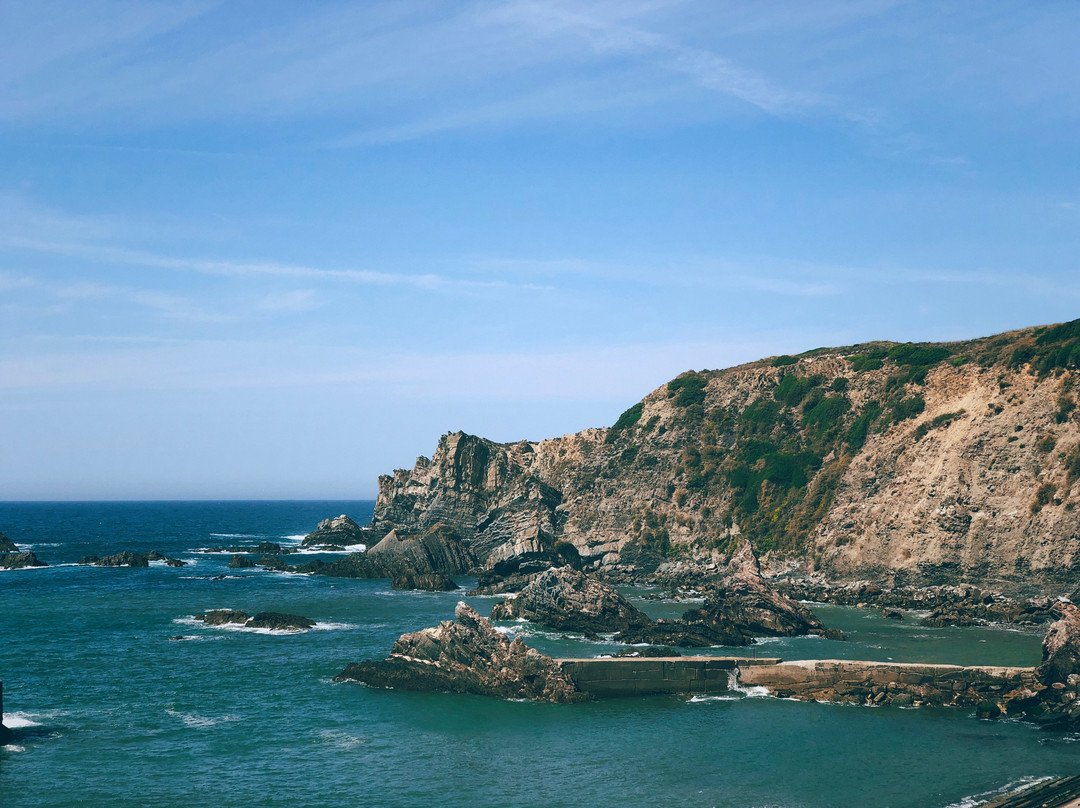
221	617
18	561
467	656
279	621
568	600
427	582
744	602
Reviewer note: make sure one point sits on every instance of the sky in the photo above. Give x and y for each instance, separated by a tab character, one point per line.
274	249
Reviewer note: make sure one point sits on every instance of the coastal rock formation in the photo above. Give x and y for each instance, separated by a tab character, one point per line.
129	558
744	602
568	600
239	562
903	464
18	561
340	531
467	656
427	582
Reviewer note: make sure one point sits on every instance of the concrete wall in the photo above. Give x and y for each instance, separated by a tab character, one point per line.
642	676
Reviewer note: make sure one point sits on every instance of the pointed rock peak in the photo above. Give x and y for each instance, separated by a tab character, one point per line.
744	563
466	613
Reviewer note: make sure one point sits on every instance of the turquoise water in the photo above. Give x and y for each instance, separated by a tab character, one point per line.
112	712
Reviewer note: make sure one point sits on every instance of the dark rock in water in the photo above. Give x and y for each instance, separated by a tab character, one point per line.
127	558
686	634
430	582
7	545
987	709
18	561
6	735
182	637
467	656
278	621
239	562
269	548
87	560
340	530
154	555
273	564
568	600
220	617
951	615
892	614
649	651
175	562
744	602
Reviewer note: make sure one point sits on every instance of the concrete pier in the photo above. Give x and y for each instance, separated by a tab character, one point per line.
610	677
846	680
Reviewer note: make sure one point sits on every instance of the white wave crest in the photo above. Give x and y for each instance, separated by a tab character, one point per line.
974	800
20	720
700	699
200	721
328	626
341	739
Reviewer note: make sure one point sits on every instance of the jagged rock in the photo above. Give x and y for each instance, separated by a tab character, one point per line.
952	615
221	617
155	555
427	582
7	545
340	530
270	548
490	583
239	562
892	614
568	600
745	603
467	656
280	622
18	561
175	562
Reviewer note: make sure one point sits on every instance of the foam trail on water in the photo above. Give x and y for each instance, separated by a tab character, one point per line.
735	687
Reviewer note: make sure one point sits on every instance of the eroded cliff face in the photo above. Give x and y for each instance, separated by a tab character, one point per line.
903	463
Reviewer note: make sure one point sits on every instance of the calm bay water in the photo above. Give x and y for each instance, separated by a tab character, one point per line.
110	711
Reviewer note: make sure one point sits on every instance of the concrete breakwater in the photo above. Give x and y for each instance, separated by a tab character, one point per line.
846	681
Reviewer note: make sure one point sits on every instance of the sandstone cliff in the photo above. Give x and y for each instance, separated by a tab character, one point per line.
905	464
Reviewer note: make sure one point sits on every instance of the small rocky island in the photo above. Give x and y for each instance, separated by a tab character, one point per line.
274	621
12	558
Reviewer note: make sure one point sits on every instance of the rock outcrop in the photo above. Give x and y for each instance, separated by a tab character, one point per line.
18	561
275	621
240	562
222	617
566	599
467	656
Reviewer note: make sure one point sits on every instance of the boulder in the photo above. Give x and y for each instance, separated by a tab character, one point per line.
568	600
18	561
221	617
280	622
175	562
427	582
467	656
239	562
744	602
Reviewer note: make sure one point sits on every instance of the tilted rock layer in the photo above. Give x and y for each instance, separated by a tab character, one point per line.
903	464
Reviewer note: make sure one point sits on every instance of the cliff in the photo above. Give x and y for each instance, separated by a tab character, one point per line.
909	464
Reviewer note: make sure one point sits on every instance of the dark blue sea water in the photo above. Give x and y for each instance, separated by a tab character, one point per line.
109	711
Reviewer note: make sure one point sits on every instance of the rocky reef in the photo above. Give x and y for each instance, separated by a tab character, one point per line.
339	532
467	655
129	558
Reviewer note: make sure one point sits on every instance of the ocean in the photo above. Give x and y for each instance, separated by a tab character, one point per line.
109	709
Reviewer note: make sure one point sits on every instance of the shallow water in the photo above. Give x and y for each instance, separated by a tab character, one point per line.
109	711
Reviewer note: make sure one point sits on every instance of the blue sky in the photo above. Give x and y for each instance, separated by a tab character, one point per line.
263	249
